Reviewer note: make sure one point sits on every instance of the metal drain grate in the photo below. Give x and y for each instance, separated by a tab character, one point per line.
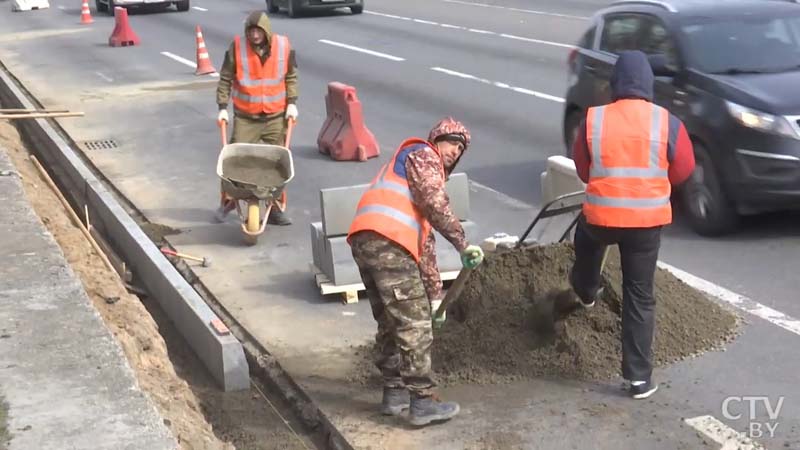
103	144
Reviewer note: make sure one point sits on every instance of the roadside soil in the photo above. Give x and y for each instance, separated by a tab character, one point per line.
3	424
518	319
199	414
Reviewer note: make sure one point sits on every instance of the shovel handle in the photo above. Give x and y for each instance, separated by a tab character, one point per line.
289	129
453	292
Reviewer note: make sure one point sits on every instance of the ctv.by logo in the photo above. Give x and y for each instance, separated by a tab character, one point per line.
734	407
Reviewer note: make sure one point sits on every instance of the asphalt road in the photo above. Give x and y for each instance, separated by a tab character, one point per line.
500	66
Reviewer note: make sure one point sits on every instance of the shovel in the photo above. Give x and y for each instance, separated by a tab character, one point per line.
452	295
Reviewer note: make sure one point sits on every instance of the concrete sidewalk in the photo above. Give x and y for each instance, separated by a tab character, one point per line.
63	377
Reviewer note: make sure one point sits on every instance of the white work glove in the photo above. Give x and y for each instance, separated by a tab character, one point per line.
291	112
223	115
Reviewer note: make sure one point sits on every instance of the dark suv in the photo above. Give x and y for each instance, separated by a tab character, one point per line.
731	72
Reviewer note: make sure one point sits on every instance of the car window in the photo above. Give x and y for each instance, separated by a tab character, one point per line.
638	32
744	44
620	33
587	40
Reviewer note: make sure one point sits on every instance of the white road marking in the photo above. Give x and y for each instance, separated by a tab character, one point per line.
105	77
527	11
199	8
722	434
62	7
536	41
362	50
499	84
185	61
474	30
348	313
778	318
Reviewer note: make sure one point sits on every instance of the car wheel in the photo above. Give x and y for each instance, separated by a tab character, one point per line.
101	7
571	124
357	9
294	10
182	5
708	209
272	7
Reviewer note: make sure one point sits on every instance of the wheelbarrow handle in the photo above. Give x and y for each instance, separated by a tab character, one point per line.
223	129
289	129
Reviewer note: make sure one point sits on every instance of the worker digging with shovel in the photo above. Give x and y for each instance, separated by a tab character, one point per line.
394	248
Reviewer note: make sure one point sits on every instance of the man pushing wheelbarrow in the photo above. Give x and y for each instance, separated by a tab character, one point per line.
260	74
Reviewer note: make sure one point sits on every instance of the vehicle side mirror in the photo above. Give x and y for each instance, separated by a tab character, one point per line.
660	67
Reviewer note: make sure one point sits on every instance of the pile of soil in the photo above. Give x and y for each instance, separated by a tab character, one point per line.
502	329
197	412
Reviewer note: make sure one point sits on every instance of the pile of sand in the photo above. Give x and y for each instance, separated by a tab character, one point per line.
494	333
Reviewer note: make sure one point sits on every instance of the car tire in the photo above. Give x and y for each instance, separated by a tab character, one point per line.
357	9
293	10
708	209
182	5
571	124
100	6
272	7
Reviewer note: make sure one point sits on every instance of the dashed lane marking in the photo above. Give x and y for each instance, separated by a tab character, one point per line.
184	61
472	30
362	50
499	84
522	10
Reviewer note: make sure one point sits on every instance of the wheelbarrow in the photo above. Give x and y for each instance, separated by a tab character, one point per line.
253	178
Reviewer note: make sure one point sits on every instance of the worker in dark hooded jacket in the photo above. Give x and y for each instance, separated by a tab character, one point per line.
630	153
260	74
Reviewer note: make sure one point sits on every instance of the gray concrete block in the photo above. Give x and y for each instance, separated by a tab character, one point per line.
341	267
338	205
222	355
316	240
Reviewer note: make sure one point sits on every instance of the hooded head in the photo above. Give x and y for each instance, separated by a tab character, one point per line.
632	77
259	19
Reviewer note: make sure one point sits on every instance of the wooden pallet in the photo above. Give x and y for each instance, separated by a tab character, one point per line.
349	292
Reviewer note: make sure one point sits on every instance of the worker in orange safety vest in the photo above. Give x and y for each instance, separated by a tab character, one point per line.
630	153
260	74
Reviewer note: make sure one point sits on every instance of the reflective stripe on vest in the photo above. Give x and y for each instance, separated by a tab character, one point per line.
389	197
627	194
265	93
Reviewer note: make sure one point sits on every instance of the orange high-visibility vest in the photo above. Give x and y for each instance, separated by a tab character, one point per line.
628	174
260	88
387	207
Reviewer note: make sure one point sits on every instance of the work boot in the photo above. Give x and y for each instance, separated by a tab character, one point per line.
278	217
222	212
395	401
427	409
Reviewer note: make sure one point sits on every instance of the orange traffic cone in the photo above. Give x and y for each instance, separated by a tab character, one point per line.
86	15
204	66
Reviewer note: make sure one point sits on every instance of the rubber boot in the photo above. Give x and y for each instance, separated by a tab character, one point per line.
395	401
278	217
425	410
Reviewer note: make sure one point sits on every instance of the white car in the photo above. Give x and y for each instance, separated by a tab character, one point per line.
108	5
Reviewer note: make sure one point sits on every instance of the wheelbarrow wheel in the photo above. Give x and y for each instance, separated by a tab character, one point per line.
253	223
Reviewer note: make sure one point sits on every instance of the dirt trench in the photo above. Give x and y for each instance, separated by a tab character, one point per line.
197	412
500	329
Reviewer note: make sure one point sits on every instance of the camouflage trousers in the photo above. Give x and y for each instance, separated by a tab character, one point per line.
401	308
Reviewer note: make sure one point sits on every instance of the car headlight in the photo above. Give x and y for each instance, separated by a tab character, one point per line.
759	120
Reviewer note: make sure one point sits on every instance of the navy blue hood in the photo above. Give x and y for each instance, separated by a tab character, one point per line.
632	77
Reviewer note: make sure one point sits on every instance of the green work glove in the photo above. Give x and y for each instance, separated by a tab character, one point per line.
471	257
